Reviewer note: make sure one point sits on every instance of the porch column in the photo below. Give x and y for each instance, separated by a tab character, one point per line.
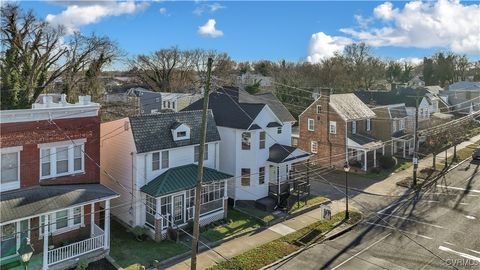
92	219
393	147
375	158
45	243
404	149
383	150
106	233
365	165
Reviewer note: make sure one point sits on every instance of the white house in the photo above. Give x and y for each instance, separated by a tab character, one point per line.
178	101
155	157
256	143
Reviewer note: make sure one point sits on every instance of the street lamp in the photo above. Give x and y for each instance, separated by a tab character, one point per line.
25	251
346	168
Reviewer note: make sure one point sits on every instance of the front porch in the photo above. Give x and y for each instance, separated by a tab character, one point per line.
402	145
362	151
286	179
170	199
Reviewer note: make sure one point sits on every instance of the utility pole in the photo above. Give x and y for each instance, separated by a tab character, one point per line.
198	188
415	144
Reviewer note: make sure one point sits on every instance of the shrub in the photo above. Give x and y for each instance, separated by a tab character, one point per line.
140	233
386	162
375	170
82	264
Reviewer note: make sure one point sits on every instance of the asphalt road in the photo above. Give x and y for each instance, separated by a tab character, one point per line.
434	229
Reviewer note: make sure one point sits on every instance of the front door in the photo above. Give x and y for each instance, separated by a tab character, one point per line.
178	217
273	174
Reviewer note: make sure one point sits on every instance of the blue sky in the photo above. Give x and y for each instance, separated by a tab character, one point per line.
274	30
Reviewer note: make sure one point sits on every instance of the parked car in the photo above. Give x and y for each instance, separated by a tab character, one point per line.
476	154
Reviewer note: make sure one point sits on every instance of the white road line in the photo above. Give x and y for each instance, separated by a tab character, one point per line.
465	255
457	188
416	221
430	201
478	252
470	217
396	229
448	243
450	194
363	250
462	203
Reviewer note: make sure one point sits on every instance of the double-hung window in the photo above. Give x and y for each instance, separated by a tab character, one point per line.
261	175
62	158
311	124
63	220
10	163
197	153
333	127
246	140
155	161
165	159
354	127
369	124
262	140
245	180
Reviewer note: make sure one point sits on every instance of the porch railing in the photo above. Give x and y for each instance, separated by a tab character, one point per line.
76	249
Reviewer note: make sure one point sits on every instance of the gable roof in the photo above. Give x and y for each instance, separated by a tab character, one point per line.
279	153
397	111
153	132
350	107
464	85
401	95
181	178
236	108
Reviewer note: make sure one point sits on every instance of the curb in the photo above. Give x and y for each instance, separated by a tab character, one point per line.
335	235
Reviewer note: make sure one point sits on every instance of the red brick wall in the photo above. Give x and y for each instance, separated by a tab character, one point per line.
331	147
30	134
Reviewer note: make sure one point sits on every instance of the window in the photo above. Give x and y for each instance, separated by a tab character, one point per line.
61	159
212	192
8	239
245	181
164	104
168	104
181	134
173	105
394	125
354	127
319	109
311	124
10	172
197	153
262	139
313	147
333	127
164	159
402	124
63	220
150	210
261	175
279	130
157	99
368	125
155	161
246	140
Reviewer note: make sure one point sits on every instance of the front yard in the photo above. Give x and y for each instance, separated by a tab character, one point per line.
235	223
277	249
131	254
312	200
261	215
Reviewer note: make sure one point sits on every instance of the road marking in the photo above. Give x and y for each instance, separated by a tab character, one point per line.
394	228
450	194
462	203
478	252
457	188
416	221
360	252
429	201
465	255
448	243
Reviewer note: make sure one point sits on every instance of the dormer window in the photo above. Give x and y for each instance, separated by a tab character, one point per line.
180	131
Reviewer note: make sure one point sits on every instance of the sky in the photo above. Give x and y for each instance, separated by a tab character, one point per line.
275	30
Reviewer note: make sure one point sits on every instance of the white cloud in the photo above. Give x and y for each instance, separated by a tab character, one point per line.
323	46
446	23
163	11
414	61
208	29
81	13
204	8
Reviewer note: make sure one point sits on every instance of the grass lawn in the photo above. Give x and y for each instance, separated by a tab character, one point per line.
463	154
311	201
236	222
262	215
405	164
130	253
270	252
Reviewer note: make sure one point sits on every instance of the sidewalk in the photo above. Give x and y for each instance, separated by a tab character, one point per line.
239	245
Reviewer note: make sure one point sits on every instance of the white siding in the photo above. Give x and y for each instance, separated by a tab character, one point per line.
116	148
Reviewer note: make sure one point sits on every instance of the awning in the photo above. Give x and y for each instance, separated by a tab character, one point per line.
279	153
181	178
36	200
363	142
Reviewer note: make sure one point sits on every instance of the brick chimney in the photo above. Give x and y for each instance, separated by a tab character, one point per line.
325	93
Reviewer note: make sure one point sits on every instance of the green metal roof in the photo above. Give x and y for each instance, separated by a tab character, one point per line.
181	178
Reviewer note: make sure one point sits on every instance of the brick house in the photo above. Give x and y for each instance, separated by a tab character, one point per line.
50	183
336	128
